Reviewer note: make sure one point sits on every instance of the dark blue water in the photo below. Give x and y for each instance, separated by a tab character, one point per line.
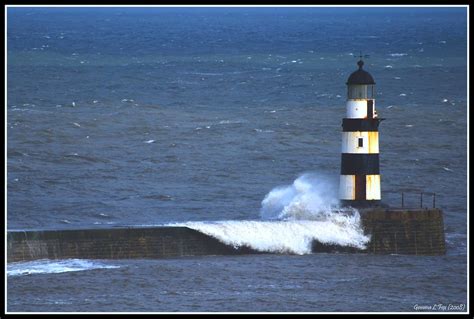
132	116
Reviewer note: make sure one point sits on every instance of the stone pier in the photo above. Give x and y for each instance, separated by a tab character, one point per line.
392	231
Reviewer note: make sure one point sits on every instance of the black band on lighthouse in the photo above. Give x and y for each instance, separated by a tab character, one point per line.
359	164
362	125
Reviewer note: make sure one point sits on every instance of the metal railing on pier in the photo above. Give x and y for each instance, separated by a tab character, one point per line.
413	198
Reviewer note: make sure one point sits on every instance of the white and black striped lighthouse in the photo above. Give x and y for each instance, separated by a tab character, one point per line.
360	174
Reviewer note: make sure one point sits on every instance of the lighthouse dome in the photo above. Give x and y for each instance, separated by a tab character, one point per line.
360	77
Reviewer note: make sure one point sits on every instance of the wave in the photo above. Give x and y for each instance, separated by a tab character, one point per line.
398	54
292	217
295	237
44	266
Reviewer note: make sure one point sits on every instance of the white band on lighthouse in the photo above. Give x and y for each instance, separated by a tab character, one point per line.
360	142
357	109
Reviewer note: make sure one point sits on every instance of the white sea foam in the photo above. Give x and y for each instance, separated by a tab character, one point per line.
398	54
292	217
295	236
230	122
262	131
149	141
45	266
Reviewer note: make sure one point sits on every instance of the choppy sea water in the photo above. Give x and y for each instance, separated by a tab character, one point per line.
210	118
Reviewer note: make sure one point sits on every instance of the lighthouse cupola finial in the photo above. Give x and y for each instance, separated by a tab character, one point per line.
360	77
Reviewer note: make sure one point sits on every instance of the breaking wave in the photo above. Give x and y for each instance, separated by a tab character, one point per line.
45	266
292	217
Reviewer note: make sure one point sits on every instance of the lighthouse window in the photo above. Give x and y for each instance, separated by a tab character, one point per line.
361	142
356	91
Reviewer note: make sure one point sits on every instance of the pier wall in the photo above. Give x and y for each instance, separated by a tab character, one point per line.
404	231
114	243
417	232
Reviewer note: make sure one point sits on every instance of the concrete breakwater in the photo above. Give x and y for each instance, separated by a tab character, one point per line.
417	232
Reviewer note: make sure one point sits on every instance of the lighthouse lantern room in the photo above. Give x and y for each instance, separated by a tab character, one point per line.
360	174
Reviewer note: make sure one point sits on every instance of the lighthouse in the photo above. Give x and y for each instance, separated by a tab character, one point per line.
359	184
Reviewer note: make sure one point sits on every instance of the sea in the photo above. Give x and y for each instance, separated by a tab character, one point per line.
228	120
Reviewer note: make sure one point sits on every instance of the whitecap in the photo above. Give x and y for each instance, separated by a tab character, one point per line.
43	266
398	54
388	67
403	94
409	125
445	100
149	141
76	124
262	131
447	169
229	122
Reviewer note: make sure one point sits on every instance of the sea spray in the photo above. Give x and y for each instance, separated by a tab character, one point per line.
310	197
292	217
